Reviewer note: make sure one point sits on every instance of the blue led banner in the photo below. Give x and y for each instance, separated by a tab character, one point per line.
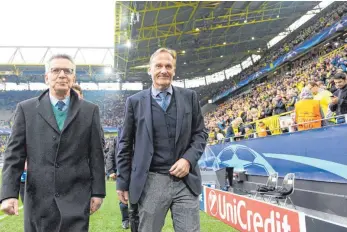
319	155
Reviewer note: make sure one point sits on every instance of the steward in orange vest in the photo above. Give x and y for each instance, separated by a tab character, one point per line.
308	113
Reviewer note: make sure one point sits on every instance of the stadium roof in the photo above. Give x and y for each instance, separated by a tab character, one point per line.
209	37
206	34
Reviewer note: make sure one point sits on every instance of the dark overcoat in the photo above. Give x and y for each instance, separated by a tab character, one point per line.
65	168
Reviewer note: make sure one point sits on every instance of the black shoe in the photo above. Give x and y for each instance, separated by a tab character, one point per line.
125	224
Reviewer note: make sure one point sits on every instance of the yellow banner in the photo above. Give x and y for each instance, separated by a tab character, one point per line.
273	123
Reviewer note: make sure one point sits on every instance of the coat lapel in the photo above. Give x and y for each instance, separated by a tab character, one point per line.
75	105
146	102
180	112
46	111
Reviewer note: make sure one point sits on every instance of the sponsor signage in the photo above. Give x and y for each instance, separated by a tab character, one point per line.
246	214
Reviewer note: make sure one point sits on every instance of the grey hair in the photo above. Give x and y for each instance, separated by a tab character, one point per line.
60	56
160	50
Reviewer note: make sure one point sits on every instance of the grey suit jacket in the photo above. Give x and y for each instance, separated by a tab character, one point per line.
65	168
136	142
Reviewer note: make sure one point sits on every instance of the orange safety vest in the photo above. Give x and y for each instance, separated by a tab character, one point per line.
306	111
262	131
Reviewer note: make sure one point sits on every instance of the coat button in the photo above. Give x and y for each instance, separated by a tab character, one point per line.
54	138
57	165
57	195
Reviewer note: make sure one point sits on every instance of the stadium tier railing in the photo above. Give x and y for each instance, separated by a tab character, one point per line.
329	121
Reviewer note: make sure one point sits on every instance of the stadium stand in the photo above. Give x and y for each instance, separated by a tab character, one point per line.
111	104
277	95
328	16
268	106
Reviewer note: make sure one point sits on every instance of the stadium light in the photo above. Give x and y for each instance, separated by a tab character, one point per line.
128	44
221	56
197	29
185	63
245	21
252	38
278	16
224	43
208	69
107	70
183	51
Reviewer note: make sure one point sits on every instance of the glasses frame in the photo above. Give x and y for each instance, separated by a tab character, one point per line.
67	71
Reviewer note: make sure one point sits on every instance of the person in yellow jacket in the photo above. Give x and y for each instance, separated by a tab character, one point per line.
322	95
308	112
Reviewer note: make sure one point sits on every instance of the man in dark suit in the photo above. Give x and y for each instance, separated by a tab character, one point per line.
59	135
129	213
162	140
111	170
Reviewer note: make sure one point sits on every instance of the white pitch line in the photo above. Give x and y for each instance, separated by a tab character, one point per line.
5	216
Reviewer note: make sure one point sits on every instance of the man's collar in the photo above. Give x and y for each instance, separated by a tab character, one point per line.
54	100
155	91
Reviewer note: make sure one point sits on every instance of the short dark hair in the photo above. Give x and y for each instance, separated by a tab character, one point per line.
339	76
313	84
77	88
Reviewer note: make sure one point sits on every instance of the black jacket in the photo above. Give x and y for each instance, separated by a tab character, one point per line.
111	166
341	107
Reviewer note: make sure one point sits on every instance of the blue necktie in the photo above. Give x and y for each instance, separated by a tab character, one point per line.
60	105
163	97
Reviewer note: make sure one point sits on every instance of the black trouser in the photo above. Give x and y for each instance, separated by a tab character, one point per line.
21	191
124	211
134	217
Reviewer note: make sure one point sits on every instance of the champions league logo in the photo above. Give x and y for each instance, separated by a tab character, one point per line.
290	55
241	157
235	155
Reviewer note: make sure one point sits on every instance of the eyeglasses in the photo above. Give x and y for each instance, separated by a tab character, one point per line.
67	71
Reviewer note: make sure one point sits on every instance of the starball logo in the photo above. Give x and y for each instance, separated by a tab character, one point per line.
246	214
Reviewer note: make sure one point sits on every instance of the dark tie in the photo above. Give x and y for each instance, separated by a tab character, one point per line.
163	97
60	105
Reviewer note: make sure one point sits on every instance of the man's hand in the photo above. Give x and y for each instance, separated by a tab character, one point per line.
180	168
10	206
113	176
334	100
123	196
95	204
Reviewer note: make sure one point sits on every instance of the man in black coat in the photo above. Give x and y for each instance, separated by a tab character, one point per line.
59	135
128	213
339	101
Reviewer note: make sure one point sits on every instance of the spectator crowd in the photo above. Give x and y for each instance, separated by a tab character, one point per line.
111	104
315	76
311	77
